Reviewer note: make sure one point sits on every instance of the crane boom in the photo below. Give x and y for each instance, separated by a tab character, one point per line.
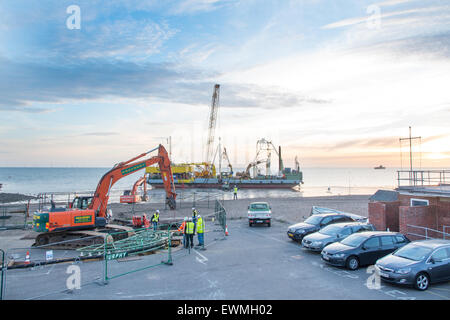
212	124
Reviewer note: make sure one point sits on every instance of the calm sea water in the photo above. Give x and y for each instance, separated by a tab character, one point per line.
340	181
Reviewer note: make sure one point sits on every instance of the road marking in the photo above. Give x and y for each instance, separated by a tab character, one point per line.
441	289
202	258
436	294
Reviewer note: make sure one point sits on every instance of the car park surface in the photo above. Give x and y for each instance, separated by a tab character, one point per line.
249	264
419	263
363	248
333	233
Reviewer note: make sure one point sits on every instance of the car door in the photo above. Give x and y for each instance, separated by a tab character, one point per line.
388	245
438	265
370	251
325	221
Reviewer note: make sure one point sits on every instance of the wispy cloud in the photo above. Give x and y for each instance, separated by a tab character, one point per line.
364	19
195	6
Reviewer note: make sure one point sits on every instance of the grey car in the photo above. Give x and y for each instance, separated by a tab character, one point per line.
419	263
335	232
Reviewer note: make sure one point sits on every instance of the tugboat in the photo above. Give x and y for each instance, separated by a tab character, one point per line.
379	167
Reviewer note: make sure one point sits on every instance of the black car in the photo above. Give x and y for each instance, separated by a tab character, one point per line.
363	248
314	223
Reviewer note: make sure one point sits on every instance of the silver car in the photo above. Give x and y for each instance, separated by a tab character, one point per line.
333	233
419	263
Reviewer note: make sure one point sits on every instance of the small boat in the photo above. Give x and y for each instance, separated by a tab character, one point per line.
379	167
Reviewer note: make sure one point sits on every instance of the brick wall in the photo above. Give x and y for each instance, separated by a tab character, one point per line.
377	215
384	215
423	216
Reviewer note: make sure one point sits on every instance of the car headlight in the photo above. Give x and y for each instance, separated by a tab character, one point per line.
403	271
339	255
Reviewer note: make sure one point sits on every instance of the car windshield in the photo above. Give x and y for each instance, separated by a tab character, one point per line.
354	240
314	220
413	252
259	206
331	230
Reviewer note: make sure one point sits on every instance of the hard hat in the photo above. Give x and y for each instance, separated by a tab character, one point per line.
157	211
185	218
189	219
199	216
193	209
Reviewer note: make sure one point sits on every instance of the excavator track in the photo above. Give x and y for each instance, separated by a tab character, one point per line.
82	238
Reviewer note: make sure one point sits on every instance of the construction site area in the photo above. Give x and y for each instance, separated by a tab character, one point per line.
136	243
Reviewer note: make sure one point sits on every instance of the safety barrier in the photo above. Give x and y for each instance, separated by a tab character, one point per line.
198	199
220	217
14	216
41	272
154	245
49	271
2	273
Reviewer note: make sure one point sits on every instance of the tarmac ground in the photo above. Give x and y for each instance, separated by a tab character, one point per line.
251	263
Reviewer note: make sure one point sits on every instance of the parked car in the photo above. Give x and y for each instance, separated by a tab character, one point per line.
259	212
419	263
333	233
314	223
363	248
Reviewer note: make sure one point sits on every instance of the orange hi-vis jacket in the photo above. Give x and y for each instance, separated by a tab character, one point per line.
181	228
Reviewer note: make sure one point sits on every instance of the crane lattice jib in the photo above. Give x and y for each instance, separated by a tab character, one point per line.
212	123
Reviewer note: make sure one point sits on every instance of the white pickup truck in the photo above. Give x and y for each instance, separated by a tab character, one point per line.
259	212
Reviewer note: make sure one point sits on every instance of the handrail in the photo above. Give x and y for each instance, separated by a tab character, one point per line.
444	233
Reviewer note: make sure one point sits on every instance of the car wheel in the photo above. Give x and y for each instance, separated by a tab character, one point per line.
422	281
352	263
268	224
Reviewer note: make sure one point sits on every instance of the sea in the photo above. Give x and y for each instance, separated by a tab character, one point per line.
317	182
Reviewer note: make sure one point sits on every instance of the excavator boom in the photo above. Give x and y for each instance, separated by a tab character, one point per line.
95	215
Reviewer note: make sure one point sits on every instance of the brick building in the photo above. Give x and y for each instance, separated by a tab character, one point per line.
418	208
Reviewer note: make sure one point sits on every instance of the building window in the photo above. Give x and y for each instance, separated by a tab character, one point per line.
419	202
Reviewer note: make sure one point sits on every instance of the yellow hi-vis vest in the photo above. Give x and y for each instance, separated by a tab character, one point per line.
200	226
155	217
189	229
235	190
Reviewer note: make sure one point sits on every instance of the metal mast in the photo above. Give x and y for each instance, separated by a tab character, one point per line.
212	124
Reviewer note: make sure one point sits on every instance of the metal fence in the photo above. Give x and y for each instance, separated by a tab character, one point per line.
41	272
421	178
221	217
156	245
428	233
49	271
14	216
200	199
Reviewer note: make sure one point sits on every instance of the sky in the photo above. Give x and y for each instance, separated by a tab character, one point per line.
336	83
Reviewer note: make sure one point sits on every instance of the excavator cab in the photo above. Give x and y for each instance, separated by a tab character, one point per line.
80	202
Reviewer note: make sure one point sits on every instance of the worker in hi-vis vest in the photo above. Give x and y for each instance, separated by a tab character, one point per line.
182	228
189	231
201	231
155	220
235	192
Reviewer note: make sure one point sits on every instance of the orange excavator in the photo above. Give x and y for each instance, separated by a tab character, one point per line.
131	196
84	213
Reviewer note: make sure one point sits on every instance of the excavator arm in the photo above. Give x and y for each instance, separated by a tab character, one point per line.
137	184
123	169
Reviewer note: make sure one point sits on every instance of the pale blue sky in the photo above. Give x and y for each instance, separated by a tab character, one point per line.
334	82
